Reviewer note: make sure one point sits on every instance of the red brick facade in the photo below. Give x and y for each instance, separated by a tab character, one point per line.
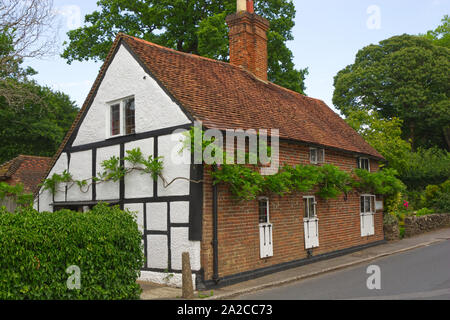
238	231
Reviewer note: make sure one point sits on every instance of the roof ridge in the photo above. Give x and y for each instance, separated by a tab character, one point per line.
31	156
146	42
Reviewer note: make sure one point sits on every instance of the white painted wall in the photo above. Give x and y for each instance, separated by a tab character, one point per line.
180	243
176	164
157	251
124	78
137	183
81	168
138	208
60	165
107	190
157	216
179	212
175	279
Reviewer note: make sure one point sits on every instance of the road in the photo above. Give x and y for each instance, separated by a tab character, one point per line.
422	273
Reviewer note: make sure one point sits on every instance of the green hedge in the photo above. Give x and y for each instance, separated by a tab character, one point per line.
37	248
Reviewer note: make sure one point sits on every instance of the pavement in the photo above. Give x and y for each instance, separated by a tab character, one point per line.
156	291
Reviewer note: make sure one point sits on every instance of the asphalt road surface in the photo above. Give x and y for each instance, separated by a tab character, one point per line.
422	273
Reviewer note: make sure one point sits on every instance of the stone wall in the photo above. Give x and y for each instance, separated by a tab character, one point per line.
416	225
391	231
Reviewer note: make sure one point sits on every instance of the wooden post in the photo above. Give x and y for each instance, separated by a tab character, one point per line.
187	289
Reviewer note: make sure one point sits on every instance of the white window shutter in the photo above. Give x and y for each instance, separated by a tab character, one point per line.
265	240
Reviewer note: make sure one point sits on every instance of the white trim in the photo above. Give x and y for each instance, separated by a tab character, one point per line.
122	124
310	156
314	206
317	155
368	163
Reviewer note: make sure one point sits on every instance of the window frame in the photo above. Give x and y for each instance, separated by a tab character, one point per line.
266	200
122	117
317	158
360	159
372	200
306	202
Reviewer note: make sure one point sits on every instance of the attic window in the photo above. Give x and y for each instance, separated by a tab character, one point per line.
115	119
122	117
364	163
129	116
316	155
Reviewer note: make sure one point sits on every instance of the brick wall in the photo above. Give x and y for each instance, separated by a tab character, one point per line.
248	42
238	228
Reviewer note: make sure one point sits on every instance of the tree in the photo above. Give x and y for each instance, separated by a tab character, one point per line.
383	135
38	126
27	30
406	77
441	35
191	26
33	119
416	169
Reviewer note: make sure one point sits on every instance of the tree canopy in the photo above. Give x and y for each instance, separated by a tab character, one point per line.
406	77
441	35
190	26
38	126
33	118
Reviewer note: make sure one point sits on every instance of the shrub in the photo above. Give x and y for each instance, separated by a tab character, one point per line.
37	248
389	219
437	197
425	167
423	212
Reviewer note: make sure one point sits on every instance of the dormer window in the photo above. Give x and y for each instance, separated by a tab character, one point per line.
364	163
316	155
122	117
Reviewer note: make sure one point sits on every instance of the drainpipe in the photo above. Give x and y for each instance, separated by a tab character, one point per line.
215	241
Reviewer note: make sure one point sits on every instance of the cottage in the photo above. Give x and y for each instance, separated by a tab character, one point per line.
145	95
25	170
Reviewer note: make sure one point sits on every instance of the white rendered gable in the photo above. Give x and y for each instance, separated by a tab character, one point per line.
124	78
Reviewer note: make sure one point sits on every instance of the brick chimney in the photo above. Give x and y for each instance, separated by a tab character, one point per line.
248	39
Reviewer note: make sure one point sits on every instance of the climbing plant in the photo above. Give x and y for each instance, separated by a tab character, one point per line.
245	181
113	170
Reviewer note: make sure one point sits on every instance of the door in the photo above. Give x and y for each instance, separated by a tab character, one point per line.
367	215
310	223
265	229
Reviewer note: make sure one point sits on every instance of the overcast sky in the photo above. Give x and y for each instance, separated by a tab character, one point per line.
327	35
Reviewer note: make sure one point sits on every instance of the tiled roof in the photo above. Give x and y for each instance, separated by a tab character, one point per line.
225	96
28	170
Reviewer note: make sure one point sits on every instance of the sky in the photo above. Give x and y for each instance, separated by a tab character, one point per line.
327	36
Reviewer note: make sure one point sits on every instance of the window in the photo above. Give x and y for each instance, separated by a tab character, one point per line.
364	163
316	155
263	210
129	116
310	207
122	117
115	119
367	204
